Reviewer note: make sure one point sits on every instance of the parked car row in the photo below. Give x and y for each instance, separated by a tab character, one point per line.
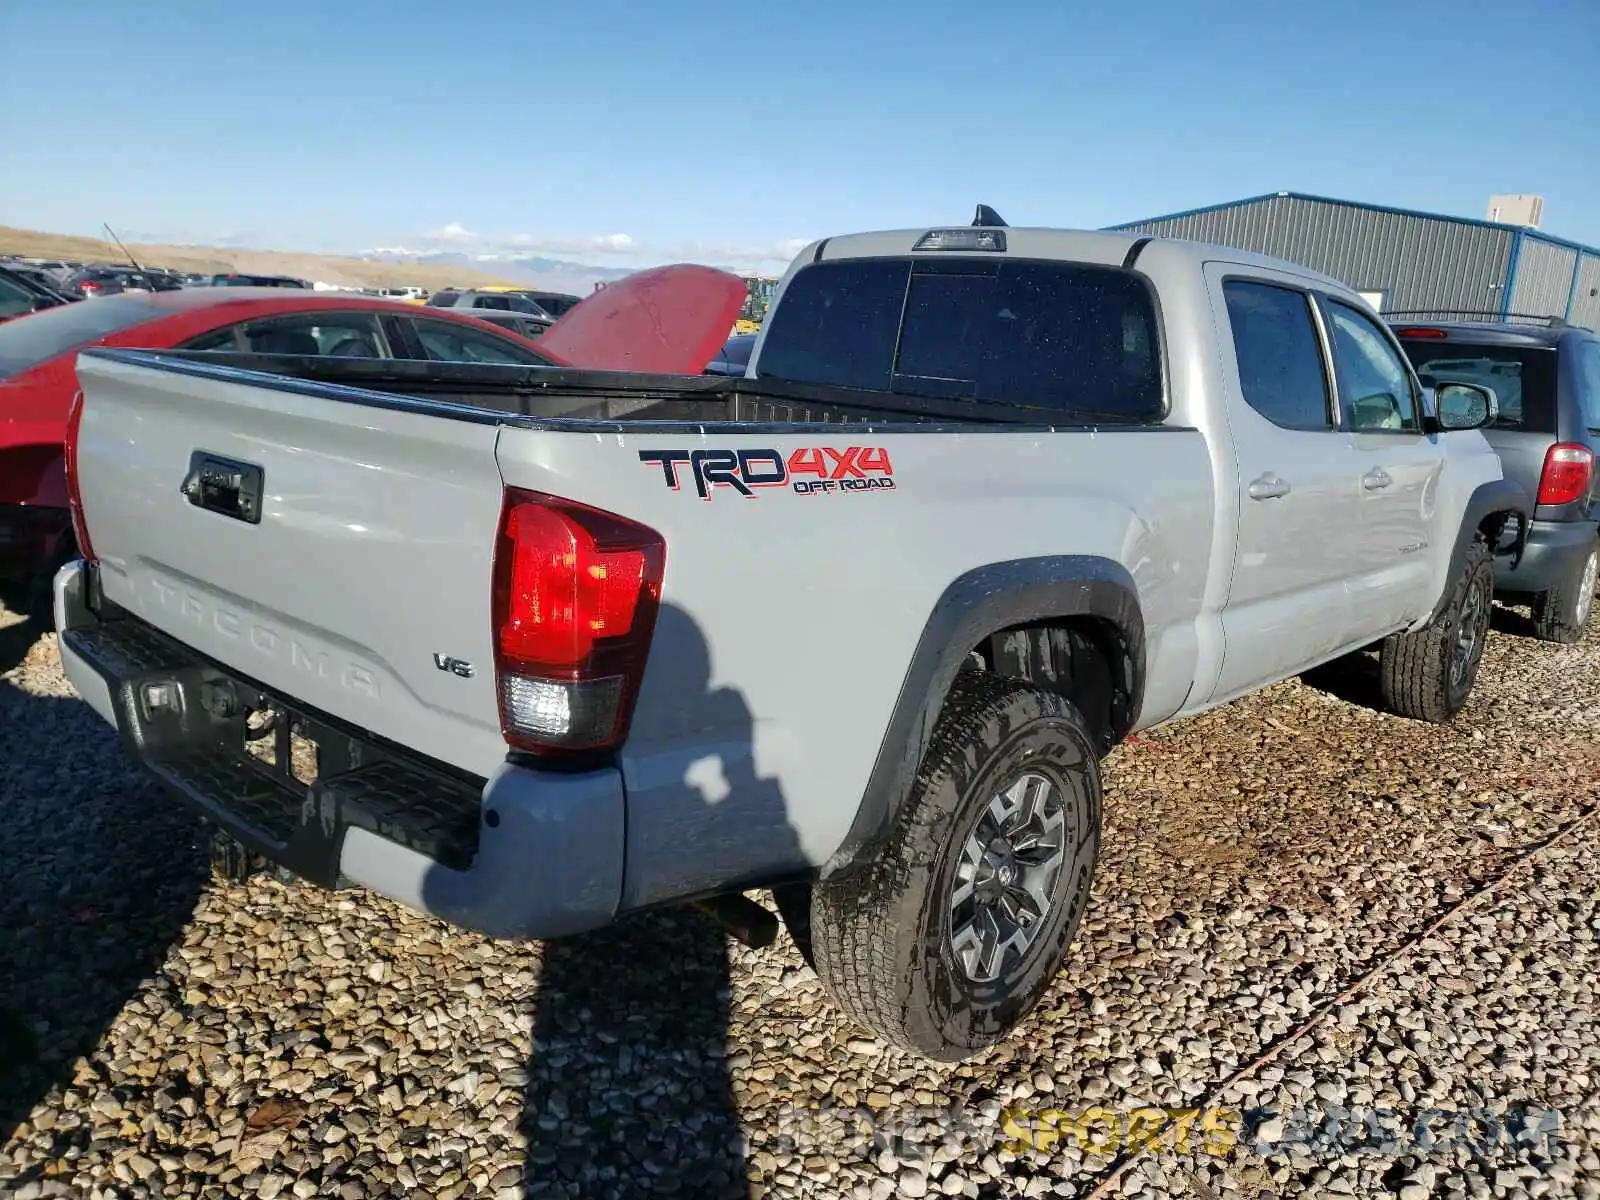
76	280
23	291
93	280
1009	496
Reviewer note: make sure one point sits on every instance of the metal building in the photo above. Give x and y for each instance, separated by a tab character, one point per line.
1406	261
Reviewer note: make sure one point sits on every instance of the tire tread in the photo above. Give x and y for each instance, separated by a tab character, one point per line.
1554	610
856	964
1414	668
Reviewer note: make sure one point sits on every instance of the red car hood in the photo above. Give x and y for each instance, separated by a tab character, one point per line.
667	320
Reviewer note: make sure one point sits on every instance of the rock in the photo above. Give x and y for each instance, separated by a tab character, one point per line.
1270	1131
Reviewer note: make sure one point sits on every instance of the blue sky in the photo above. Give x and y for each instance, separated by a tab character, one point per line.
624	133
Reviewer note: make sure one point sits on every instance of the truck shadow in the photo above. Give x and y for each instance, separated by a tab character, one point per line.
630	1090
99	881
1353	679
1512	622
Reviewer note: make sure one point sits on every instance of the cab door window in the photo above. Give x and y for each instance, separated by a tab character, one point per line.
1279	355
1375	385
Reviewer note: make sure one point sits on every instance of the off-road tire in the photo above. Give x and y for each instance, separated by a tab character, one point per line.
1415	669
1561	614
880	930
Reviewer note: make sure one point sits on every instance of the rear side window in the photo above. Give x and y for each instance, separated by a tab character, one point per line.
15	300
1523	377
1589	372
26	343
339	334
446	341
1069	338
1280	358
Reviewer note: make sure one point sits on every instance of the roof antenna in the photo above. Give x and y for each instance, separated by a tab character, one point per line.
125	250
988	218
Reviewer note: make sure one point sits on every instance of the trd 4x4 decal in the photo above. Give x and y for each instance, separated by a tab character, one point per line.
810	471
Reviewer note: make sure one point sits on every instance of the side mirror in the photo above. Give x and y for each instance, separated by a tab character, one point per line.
1465	406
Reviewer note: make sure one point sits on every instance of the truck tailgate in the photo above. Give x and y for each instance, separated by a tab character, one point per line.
368	552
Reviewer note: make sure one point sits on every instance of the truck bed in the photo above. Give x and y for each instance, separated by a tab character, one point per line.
540	394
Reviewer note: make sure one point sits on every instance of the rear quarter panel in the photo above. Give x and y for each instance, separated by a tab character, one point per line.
789	620
1469	461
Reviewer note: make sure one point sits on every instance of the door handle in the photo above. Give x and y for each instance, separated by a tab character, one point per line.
1375	479
1268	487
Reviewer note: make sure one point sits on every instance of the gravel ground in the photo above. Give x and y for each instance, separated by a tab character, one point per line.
1307	912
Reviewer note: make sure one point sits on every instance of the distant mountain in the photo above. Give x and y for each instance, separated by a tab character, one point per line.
552	274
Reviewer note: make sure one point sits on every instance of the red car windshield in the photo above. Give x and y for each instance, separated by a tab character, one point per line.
28	341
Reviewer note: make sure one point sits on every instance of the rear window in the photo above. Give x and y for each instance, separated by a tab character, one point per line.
1523	377
737	351
29	341
1070	338
557	306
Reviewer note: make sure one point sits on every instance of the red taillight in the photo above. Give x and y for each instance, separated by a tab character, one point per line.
1568	472
1433	335
576	592
88	289
74	497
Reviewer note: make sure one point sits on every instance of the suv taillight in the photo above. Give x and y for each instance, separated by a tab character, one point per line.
575	598
74	497
1568	472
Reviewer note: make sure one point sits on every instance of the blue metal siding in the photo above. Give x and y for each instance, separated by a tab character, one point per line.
1377	208
1541	278
1586	297
1418	262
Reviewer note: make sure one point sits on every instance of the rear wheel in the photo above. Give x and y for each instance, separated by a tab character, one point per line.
1427	675
1561	614
945	940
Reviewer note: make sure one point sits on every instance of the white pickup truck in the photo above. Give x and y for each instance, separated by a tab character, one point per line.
529	649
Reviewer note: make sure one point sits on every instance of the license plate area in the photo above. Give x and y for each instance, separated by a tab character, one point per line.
290	746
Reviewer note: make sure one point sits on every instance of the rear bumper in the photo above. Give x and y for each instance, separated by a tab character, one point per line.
30	536
1554	550
525	854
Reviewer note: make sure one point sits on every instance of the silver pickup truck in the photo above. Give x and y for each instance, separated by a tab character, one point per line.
529	649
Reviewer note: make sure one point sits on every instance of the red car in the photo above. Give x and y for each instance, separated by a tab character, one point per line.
670	319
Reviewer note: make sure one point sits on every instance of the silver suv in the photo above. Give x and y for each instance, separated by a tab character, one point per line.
1546	374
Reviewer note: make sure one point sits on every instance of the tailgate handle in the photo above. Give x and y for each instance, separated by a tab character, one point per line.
224	486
